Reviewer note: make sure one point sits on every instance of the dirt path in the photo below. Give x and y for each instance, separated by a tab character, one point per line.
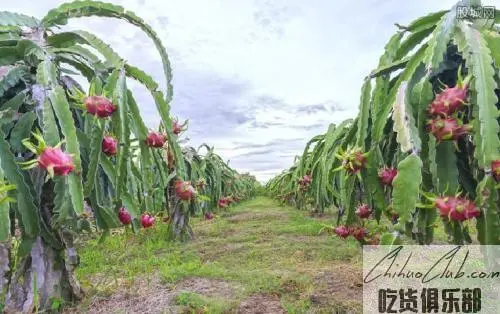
257	258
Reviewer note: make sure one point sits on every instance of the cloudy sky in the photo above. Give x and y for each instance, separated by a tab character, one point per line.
256	78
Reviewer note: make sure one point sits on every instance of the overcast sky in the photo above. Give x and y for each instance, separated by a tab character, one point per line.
256	78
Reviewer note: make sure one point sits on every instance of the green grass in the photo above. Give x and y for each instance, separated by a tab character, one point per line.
258	245
193	302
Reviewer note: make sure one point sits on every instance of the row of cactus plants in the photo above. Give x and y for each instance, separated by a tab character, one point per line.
424	146
72	160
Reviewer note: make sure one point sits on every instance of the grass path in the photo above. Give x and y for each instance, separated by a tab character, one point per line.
259	257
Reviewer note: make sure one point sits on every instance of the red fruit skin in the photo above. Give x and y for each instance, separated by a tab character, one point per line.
468	208
59	161
342	231
449	101
209	216
447	129
359	233
308	179
155	139
443	206
387	175
184	190
305	180
92	102
124	216
147	221
99	106
495	169
472	212
109	145
222	203
442	129
176	127
457	208
363	211
456	215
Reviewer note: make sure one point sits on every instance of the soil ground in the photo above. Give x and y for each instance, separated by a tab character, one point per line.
259	257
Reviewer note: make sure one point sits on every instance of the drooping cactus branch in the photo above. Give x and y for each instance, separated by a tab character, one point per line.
435	122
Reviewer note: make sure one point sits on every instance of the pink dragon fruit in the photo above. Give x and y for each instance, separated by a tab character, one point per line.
54	159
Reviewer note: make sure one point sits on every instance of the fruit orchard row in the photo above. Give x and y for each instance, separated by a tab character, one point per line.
76	161
424	146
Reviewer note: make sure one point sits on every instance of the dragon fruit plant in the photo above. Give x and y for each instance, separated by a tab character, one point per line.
363	211
184	190
74	158
342	231
147	221
109	145
124	216
156	139
210	184
99	106
178	128
430	110
387	175
57	151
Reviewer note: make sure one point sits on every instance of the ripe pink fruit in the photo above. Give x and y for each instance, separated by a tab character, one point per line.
363	211
176	127
465	209
184	190
495	169
147	221
124	216
155	139
99	106
109	145
449	101
457	208
342	231
54	159
443	206
222	203
305	180
447	129
359	233
386	175
209	216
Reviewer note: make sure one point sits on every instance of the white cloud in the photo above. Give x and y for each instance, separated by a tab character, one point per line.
229	56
